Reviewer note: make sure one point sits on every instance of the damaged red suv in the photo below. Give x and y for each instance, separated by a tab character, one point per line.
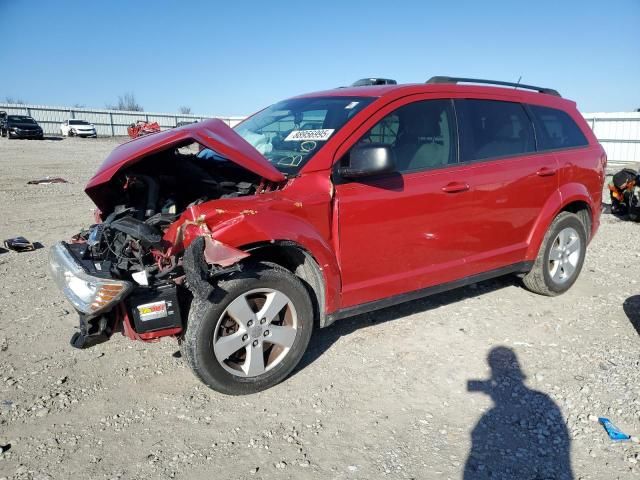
324	206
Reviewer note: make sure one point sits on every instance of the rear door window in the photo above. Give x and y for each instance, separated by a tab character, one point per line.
556	129
493	129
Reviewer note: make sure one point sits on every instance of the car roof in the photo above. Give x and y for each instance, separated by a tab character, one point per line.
401	90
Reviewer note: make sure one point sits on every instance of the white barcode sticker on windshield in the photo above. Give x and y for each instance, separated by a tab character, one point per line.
305	135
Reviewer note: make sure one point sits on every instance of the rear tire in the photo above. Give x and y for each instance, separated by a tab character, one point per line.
227	366
560	258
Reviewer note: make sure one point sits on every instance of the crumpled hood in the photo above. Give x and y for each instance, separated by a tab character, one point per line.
213	134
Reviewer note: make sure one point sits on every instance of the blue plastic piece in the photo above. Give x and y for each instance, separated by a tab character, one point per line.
614	432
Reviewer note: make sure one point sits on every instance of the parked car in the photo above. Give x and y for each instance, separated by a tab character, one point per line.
78	128
402	191
20	126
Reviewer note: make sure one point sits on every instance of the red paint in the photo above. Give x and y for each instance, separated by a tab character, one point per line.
406	232
156	335
129	332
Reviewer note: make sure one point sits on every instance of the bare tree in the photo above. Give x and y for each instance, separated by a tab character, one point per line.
184	110
79	105
127	102
14	100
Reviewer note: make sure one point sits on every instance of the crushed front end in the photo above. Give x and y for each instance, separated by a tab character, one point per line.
115	277
126	273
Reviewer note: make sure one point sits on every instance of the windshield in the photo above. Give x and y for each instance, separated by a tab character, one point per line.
289	133
78	122
20	119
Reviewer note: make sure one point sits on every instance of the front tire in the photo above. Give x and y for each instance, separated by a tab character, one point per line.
560	258
251	332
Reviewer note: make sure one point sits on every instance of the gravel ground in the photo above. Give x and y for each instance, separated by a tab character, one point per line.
382	395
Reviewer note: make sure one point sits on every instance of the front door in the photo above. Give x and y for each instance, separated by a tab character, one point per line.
404	231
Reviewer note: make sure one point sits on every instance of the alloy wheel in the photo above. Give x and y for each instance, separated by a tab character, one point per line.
255	332
564	255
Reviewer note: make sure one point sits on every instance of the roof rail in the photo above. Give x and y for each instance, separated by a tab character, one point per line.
439	79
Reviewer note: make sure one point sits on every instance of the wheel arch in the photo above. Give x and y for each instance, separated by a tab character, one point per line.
298	260
572	198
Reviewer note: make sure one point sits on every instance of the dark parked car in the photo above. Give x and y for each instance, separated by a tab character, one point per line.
20	126
328	205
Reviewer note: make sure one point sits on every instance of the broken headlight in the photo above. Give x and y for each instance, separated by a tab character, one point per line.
88	294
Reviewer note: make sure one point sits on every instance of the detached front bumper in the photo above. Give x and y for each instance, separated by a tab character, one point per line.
105	304
89	294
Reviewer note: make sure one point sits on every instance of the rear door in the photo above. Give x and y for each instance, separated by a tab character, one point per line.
578	162
512	181
405	231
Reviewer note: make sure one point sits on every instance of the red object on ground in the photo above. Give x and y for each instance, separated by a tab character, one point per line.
141	128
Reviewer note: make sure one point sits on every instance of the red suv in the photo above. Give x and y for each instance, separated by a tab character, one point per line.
239	241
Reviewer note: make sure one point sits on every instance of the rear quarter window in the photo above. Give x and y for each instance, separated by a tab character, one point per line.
555	129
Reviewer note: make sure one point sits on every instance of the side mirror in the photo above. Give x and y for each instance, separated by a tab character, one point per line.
368	160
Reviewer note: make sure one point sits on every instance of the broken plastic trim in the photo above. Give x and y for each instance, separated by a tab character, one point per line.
203	253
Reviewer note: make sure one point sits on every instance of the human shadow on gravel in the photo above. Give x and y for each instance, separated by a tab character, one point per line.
324	338
524	435
631	307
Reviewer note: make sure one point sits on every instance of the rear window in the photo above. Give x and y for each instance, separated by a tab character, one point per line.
556	129
491	128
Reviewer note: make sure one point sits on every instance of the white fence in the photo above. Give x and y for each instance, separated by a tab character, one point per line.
619	134
107	122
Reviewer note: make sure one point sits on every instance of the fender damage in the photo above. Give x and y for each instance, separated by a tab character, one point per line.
152	236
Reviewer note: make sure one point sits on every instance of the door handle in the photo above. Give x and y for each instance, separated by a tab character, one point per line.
455	187
546	172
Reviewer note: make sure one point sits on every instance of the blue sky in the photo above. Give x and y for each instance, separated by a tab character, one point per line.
232	58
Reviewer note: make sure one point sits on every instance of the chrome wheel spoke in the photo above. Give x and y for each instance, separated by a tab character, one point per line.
283	336
240	311
555	254
563	238
254	363
573	245
568	269
556	273
227	346
274	304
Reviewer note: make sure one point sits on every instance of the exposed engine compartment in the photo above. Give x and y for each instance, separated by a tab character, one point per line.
144	200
